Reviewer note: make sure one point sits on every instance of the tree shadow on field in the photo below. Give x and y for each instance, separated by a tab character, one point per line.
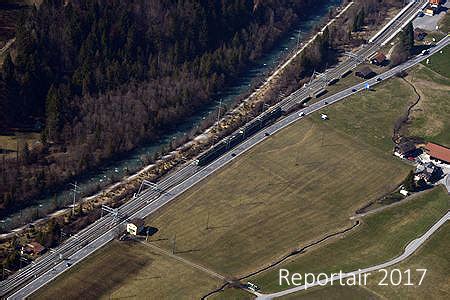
150	230
186	251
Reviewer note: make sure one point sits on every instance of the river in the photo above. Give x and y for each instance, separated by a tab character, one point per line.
132	161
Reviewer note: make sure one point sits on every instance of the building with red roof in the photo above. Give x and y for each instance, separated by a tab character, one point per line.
435	2
438	152
35	248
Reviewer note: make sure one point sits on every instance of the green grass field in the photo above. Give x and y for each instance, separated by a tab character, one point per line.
430	117
369	116
444	24
298	186
129	270
334	293
9	143
381	236
232	293
440	62
434	256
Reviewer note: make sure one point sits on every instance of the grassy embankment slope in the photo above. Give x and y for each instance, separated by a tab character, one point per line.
430	118
434	257
381	237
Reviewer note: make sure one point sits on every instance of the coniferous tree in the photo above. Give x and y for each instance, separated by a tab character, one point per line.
100	64
52	114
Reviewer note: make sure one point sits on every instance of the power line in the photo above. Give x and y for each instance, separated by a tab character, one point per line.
75	191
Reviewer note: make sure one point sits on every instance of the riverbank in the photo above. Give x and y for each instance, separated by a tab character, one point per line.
202	139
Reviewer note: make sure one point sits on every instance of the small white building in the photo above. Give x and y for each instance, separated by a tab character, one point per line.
135	226
404	192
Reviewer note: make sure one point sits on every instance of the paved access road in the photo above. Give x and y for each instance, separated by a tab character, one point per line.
319	84
92	238
409	250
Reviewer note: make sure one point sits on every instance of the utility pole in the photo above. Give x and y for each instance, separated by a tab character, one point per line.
5	270
146	183
114	212
312	77
218	113
17	150
62	235
298	38
75	191
173	243
21	258
240	209
207	222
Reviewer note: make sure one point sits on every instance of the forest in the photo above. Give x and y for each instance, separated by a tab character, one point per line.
101	77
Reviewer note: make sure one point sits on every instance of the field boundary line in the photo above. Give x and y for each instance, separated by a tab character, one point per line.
183	260
293	253
378	209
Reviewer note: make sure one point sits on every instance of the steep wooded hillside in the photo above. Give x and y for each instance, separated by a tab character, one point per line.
102	76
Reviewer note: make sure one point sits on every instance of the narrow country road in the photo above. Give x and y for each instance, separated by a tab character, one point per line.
376	210
409	250
183	260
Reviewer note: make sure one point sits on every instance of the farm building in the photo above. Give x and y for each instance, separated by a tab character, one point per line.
431	10
35	248
435	2
135	226
428	172
378	59
438	152
365	72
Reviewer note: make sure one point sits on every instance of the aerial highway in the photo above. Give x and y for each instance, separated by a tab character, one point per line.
321	81
104	230
409	250
46	268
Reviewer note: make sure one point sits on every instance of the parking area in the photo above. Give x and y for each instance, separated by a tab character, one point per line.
429	23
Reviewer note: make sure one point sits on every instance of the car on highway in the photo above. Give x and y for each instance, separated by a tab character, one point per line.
326	102
379	79
233	154
267	133
301	114
425	52
353	90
